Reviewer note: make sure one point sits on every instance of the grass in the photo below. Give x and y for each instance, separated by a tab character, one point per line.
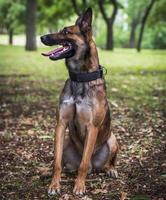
134	79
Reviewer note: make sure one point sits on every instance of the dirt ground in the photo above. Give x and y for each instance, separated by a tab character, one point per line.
26	150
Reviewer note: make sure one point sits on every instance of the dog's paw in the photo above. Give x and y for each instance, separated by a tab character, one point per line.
79	188
112	173
54	189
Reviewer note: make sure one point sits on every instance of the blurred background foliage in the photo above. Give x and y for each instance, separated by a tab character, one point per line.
117	23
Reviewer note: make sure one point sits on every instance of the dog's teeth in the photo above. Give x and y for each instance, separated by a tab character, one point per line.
65	48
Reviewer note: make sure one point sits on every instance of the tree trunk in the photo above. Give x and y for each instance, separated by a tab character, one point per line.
109	43
132	41
143	22
10	36
31	25
77	8
109	21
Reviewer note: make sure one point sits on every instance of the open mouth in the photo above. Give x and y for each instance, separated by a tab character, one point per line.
66	50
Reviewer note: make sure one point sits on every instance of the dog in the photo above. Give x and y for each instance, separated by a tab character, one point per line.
83	108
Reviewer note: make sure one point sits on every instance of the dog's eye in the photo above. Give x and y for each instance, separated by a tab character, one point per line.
65	32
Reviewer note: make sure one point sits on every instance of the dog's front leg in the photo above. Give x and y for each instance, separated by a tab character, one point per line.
64	116
57	168
90	141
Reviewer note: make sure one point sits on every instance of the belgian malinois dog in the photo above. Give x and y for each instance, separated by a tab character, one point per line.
83	108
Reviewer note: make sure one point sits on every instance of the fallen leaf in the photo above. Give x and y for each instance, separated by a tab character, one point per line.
97	191
123	195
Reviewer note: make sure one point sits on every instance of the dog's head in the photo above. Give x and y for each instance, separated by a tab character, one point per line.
73	39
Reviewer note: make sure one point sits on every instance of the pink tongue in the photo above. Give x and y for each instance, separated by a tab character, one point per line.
53	51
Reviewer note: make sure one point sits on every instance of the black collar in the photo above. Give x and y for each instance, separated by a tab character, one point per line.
86	76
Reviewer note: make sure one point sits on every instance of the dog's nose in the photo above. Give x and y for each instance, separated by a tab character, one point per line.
42	38
47	40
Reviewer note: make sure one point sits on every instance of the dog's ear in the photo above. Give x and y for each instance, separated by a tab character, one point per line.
78	21
85	21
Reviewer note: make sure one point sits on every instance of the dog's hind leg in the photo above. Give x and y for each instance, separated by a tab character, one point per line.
71	158
111	162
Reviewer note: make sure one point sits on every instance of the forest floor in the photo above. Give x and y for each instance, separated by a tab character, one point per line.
29	89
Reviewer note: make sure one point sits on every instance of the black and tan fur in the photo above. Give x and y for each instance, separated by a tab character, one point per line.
83	110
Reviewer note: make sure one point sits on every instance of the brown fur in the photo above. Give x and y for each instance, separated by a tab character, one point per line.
84	110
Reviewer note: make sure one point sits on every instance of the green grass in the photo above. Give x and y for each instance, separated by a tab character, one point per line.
134	79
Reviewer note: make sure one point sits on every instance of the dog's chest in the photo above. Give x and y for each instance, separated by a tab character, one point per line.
83	116
82	107
85	106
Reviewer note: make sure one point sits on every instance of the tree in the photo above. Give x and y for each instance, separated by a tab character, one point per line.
11	16
79	8
109	20
157	24
134	12
132	40
31	7
52	12
143	22
158	13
